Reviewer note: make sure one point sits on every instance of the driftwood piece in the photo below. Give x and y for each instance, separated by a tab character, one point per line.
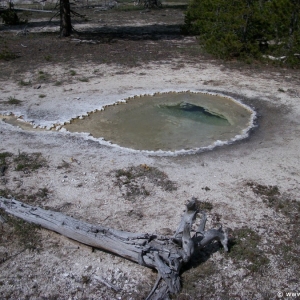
166	254
32	10
78	41
2	219
110	285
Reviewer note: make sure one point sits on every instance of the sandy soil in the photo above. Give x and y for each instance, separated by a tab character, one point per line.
80	180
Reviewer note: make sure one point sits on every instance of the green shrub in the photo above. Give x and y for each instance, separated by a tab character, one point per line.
7	55
28	235
246	28
13	101
29	161
244	249
10	17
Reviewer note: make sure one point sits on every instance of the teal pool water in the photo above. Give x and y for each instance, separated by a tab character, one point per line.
168	122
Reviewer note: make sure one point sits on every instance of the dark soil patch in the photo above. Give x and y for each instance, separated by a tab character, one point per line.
145	37
129	38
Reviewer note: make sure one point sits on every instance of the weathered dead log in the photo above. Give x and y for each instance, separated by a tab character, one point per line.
32	10
166	254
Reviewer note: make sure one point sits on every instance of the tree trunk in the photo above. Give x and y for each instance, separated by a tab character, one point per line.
10	5
166	254
65	18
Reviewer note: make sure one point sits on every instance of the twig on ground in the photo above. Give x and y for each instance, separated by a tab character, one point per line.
110	285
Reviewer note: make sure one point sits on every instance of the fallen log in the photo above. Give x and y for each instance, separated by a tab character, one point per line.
33	10
166	254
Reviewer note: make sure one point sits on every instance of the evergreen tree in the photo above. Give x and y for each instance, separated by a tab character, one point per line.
235	28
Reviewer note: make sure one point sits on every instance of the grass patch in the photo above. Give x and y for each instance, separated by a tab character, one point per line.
72	73
43	76
13	101
29	162
132	180
197	275
273	198
7	55
26	234
85	279
48	58
4	156
129	7
3	162
288	248
154	174
244	249
204	205
197	281
5	193
264	190
42	96
37	197
25	162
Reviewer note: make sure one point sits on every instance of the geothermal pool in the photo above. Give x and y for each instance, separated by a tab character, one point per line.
171	121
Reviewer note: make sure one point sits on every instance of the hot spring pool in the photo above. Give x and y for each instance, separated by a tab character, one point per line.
169	122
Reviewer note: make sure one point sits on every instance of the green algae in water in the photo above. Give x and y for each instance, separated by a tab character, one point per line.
168	122
193	112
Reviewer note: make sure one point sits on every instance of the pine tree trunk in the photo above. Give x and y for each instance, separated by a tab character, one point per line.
65	18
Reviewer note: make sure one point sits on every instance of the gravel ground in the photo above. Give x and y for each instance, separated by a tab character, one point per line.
251	187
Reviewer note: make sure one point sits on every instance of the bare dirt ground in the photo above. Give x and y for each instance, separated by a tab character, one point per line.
251	187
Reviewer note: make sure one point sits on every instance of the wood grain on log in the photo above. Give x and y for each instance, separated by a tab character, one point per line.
166	254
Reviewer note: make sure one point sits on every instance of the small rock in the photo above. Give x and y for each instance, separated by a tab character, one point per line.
2	170
34	286
206	188
88	268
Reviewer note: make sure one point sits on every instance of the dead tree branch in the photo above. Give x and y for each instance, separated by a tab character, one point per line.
166	254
